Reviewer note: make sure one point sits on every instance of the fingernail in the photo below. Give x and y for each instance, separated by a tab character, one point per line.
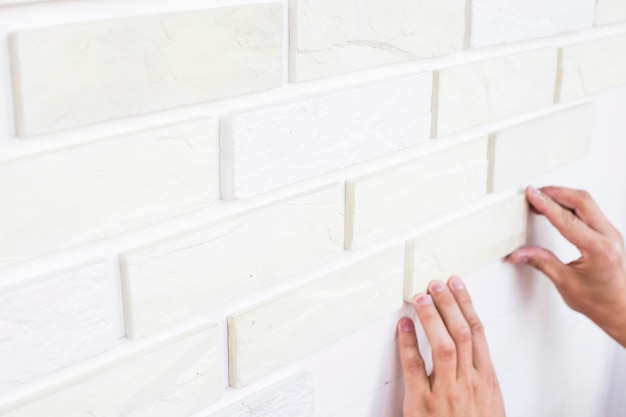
406	325
536	192
456	283
437	286
422	299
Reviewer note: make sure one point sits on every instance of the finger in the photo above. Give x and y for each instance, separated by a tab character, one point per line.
584	206
456	324
480	351
415	376
443	348
566	222
541	259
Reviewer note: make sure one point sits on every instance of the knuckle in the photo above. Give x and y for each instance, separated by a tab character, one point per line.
584	197
569	218
476	326
609	253
462	334
445	351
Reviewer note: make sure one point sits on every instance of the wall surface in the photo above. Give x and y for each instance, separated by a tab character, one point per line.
216	208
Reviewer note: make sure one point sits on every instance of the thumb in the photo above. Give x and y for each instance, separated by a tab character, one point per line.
541	259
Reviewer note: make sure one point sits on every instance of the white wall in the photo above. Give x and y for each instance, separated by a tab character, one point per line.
550	360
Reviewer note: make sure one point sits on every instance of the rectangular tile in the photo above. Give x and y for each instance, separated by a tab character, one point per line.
77	194
466	244
175	378
610	11
195	271
592	67
477	93
383	203
521	152
280	331
498	22
336	36
279	144
56	320
108	69
291	397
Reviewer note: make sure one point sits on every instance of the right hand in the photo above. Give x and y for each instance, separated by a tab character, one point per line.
594	284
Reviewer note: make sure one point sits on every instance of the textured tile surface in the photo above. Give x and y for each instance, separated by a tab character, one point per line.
175	378
610	11
521	152
487	91
193	272
335	36
291	397
272	146
466	244
504	21
103	70
593	66
274	334
73	195
387	202
56	320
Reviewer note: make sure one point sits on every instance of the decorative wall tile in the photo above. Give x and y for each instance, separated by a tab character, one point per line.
276	145
266	337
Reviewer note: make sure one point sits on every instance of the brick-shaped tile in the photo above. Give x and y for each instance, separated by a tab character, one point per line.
174	378
74	195
610	11
387	202
103	70
52	321
290	397
592	67
518	153
336	36
466	244
280	331
506	21
477	93
195	271
276	145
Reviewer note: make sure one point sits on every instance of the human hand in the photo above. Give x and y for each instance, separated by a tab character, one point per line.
594	284
463	381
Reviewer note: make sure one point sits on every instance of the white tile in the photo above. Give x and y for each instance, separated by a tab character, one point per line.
276	145
383	203
486	91
108	69
336	36
466	244
610	11
522	152
174	378
73	195
52	321
291	397
591	67
504	21
266	337
195	271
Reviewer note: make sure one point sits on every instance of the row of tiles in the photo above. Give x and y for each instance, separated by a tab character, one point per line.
76	195
262	338
104	70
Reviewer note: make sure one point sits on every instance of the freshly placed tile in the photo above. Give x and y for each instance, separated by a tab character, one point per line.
498	22
108	69
610	11
291	397
279	144
73	195
466	244
56	320
280	331
381	204
336	36
174	378
487	91
592	67
192	272
521	152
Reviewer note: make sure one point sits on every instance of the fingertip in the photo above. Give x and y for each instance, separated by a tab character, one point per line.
421	299
518	257
405	325
456	283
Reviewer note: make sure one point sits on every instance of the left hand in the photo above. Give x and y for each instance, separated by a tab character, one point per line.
463	382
